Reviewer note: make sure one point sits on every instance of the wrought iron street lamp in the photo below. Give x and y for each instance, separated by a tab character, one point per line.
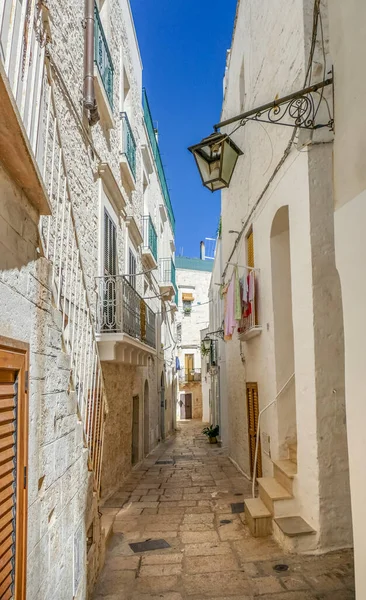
207	343
216	158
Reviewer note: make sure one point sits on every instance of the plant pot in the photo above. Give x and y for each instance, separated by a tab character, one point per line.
213	440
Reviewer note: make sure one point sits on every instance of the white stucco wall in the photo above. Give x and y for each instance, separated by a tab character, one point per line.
347	47
274	54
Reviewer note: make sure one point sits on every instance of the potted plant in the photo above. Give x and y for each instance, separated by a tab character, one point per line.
212	433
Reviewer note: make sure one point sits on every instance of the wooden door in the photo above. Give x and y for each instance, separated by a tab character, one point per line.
253	413
188	406
189	367
135	429
182	406
13	473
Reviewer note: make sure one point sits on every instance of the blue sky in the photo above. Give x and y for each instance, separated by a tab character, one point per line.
183	45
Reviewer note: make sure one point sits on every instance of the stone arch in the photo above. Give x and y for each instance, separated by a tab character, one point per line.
146	418
283	329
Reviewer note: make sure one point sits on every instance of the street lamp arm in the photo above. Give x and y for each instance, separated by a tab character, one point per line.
301	109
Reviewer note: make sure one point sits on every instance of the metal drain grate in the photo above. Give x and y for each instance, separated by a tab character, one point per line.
225	521
164	462
149	545
237	507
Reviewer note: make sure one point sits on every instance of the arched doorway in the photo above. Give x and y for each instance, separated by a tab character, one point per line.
135	430
146	419
283	329
162	406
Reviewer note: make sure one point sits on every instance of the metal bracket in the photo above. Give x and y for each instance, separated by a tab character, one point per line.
298	109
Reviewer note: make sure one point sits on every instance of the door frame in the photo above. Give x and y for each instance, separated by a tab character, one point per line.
252	431
18	359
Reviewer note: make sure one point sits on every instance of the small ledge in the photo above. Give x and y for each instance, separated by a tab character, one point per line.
163	212
147	158
109	180
128	179
134	231
105	110
244	336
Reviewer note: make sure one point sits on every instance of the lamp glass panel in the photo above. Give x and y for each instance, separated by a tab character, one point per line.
229	159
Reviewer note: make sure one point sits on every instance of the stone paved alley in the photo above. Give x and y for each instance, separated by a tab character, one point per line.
187	502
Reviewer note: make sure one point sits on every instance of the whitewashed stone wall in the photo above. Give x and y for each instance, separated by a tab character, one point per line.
59	484
268	58
347	47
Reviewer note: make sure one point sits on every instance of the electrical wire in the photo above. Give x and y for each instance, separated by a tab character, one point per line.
288	148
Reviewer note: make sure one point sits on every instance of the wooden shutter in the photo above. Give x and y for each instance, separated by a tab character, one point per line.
253	415
110	246
132	268
13	475
250	249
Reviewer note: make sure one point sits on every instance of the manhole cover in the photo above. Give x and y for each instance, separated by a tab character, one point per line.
280	568
237	507
149	545
225	521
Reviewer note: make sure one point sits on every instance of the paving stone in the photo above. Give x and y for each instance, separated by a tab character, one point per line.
160	570
192	537
325	583
233	582
200	518
207	549
266	585
196	527
211	564
122	563
161	559
294	582
155	585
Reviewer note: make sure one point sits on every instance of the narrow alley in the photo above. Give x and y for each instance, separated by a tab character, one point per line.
189	494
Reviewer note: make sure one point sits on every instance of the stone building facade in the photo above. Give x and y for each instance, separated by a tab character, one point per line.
285	357
193	279
87	285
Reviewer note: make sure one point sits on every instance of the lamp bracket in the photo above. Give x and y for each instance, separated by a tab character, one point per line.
219	333
299	109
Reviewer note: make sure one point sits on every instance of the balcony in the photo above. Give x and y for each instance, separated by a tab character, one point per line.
150	244
157	158
167	283
128	153
125	323
189	375
248	326
103	72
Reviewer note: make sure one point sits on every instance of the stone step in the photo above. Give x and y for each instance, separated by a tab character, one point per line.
258	517
292	452
294	526
270	491
284	472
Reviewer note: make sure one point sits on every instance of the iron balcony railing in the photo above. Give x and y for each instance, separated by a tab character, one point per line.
102	57
188	375
150	236
167	272
157	157
120	309
128	143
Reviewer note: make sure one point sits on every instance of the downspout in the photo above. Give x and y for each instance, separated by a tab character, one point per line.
89	101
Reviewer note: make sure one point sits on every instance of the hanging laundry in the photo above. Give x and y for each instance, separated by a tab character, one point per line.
237	295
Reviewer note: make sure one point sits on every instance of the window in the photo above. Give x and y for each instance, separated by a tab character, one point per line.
132	268
187	307
250	249
110	246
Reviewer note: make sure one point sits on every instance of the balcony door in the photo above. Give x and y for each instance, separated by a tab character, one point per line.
189	367
13	473
110	271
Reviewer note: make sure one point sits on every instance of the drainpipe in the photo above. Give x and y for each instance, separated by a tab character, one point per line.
89	101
